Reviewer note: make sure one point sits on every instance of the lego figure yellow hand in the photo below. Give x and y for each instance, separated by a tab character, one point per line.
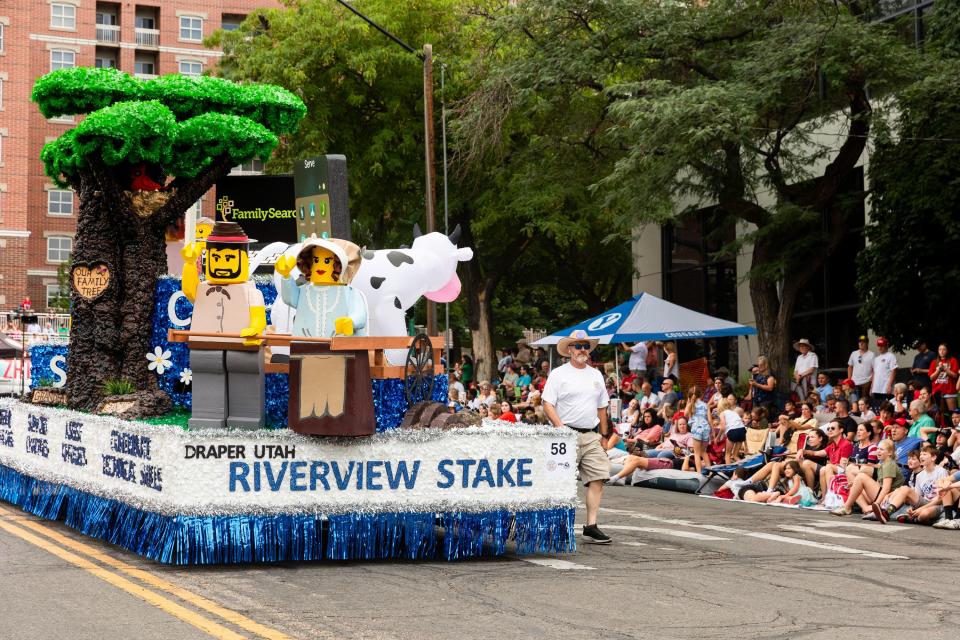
285	265
343	326
250	331
190	252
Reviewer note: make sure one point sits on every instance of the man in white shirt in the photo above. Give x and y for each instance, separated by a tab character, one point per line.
575	397
638	360
860	367
647	398
884	371
805	369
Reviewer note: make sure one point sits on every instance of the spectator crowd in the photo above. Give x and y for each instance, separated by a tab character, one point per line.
869	442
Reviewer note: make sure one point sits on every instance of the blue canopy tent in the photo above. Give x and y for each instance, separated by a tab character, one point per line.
647	317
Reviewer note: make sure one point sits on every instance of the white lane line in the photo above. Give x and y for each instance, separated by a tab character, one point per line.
666	548
632	544
873	528
799	528
553	563
667	532
757	534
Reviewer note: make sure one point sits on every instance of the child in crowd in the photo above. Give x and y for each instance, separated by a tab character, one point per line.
797	491
923	497
869	493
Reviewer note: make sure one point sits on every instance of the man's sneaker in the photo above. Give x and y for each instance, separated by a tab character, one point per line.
942	523
880	513
870	516
953	524
593	534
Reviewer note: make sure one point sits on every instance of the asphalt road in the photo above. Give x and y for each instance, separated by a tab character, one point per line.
680	567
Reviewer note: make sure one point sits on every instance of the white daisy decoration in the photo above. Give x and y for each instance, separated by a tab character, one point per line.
159	361
186	376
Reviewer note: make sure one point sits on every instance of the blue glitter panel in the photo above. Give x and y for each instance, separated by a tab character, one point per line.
41	357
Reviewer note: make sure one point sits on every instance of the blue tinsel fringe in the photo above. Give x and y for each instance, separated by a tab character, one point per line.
185	540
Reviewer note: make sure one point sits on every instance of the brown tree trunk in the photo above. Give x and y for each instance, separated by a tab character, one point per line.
481	334
95	347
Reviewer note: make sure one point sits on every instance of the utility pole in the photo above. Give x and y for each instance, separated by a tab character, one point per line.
431	173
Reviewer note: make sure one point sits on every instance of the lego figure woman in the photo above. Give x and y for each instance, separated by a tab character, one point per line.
326	304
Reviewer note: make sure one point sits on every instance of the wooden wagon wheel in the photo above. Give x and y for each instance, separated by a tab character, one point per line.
418	378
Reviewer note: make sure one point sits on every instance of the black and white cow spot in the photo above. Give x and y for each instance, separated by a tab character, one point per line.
397	258
376	281
368	255
396	303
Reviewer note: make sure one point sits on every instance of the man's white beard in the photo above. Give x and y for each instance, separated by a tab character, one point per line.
581	358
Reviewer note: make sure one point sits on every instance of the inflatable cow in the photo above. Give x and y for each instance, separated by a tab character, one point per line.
394	279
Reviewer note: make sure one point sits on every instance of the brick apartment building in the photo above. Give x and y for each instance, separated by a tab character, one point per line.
38	220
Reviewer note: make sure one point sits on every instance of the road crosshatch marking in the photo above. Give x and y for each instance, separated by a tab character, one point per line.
206	625
772	537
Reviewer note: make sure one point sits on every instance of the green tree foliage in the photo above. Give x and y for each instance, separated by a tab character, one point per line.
914	238
144	153
758	107
519	188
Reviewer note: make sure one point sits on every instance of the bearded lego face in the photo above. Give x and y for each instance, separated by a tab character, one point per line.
227	264
324	267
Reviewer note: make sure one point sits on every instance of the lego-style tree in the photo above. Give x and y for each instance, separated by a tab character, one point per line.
144	153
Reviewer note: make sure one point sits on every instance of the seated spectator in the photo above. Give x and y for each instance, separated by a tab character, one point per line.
839	450
631	417
790	410
495	411
824	388
869	493
484	411
923	497
772	471
922	425
639	461
864	456
667	393
945	449
849	389
648	433
786	427
864	412
715	391
949	491
759	418
678	438
509	382
902	442
530	416
900	402
647	399
524	379
506	411
847	424
487	395
796	491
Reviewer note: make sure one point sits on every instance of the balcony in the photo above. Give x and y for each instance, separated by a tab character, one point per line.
148	37
108	34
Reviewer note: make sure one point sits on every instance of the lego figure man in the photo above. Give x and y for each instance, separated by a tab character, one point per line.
228	374
325	302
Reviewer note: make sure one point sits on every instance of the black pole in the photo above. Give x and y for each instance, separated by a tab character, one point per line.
381	29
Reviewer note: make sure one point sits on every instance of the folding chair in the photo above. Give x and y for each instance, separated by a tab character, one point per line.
725	471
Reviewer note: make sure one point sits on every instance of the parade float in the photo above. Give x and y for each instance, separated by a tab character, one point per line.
223	417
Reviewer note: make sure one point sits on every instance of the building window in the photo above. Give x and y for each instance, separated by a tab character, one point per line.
1	94
63	16
105	63
2	27
144	67
191	68
231	21
59	248
55	298
60	202
191	28
62	59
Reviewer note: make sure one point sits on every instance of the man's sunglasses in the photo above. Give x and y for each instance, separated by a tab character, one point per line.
581	345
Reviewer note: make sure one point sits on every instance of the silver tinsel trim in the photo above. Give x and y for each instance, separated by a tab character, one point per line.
490	431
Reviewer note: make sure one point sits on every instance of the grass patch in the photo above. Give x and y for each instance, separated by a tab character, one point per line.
177	417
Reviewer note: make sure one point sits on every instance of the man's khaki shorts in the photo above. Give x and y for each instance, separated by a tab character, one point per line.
592	460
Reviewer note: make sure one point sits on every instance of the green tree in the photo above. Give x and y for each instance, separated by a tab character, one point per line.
521	188
144	154
760	108
913	231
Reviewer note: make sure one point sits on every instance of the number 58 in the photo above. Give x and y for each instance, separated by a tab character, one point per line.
558	448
